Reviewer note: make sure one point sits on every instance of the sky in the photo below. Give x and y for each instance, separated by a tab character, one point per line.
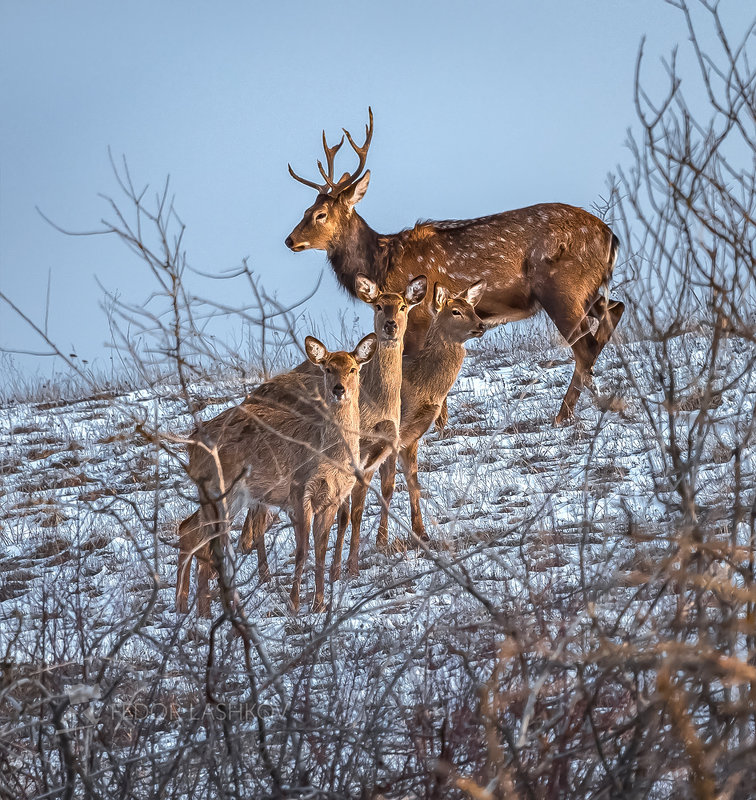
479	107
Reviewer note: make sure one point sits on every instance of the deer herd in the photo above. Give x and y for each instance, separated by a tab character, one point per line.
309	441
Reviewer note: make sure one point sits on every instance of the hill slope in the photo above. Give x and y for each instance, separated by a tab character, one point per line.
550	546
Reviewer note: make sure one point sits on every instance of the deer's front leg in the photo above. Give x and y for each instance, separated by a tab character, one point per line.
320	530
388	478
408	461
302	519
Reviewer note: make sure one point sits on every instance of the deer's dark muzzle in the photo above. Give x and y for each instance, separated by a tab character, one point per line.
295	247
338	391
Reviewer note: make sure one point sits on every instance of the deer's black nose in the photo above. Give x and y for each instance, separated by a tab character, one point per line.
338	391
390	326
289	242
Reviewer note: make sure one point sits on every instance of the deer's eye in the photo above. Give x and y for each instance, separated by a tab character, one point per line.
403	308
457	313
321	216
353	370
378	307
328	370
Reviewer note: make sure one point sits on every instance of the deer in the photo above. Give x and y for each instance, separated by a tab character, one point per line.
552	257
286	447
380	401
380	414
427	378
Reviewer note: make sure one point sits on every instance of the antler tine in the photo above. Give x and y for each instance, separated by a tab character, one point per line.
349	178
330	153
362	151
305	181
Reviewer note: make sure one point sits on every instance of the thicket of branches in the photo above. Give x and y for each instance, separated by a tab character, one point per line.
643	686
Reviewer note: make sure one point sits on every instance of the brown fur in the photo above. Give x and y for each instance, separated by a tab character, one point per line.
284	446
550	256
380	413
426	380
380	403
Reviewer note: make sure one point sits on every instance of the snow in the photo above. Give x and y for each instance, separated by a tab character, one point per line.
516	509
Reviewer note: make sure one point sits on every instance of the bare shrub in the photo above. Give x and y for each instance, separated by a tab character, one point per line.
581	623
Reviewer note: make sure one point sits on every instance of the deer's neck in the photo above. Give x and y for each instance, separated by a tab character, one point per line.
432	371
381	386
358	249
341	432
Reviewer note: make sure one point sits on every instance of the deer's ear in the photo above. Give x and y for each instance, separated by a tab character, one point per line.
474	293
367	290
354	194
316	351
416	290
440	297
365	350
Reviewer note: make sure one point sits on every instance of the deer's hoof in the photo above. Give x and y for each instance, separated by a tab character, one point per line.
319	605
417	539
353	569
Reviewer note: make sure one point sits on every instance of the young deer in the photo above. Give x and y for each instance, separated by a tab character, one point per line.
550	256
285	447
380	412
380	401
427	378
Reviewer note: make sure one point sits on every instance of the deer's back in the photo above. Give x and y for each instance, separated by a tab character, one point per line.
512	251
263	443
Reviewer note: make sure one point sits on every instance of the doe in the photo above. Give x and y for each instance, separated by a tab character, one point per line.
286	447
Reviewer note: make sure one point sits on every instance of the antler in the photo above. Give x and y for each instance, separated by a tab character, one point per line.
330	153
348	178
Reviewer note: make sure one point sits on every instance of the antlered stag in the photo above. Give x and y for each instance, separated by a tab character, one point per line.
550	256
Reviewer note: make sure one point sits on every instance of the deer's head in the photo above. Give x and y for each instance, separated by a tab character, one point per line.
341	370
389	308
455	317
327	216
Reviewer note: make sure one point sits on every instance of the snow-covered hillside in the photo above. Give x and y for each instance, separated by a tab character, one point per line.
540	535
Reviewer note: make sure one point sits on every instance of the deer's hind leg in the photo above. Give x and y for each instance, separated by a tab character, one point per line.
189	541
259	518
608	313
568	311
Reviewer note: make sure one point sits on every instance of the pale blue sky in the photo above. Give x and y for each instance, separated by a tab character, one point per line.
479	107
